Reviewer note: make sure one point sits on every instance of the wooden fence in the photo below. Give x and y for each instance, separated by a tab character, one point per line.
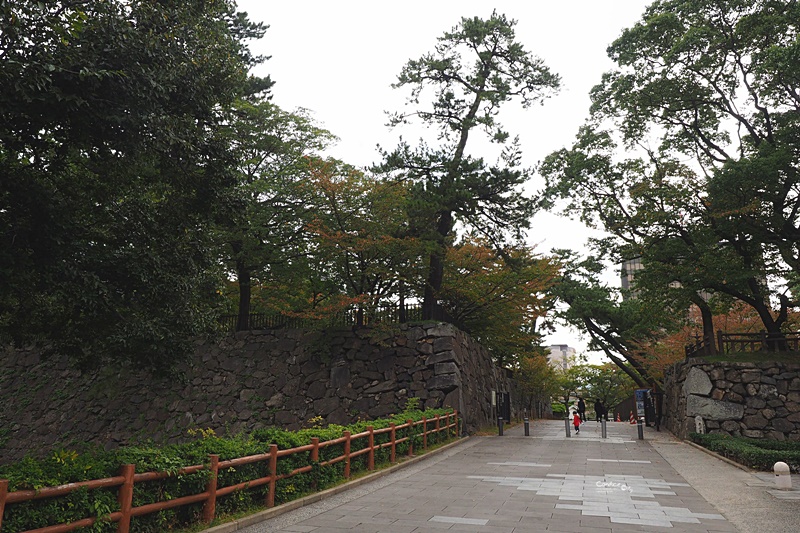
128	478
380	314
728	343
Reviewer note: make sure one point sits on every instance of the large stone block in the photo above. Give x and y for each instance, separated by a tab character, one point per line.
441	330
730	426
445	368
751	377
445	382
697	382
440	357
755	422
340	376
713	409
442	344
384	386
783	425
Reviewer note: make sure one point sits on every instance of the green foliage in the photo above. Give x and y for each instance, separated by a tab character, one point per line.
608	383
113	164
498	296
760	454
690	158
619	327
458	89
66	466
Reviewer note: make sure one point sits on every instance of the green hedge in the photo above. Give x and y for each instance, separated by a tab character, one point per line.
759	454
66	466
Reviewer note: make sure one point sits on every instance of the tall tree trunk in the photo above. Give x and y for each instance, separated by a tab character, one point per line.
245	289
436	266
708	321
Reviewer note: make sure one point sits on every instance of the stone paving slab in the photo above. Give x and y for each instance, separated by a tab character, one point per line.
552	482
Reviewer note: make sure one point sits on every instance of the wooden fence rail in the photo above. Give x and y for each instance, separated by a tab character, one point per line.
126	481
727	343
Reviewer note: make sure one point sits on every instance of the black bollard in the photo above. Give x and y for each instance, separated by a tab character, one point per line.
527	427
639	427
500	426
566	426
603	428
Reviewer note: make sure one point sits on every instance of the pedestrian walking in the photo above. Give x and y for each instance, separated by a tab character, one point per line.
576	421
582	409
599	410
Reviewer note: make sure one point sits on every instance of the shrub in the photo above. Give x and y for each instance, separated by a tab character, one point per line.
65	466
759	454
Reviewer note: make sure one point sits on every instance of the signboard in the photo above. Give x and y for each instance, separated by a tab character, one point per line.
640	395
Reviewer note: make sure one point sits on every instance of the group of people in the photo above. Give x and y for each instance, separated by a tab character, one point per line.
579	416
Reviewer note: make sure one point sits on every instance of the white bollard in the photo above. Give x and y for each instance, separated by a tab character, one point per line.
783	477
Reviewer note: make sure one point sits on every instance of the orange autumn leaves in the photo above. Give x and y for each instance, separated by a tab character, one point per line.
362	240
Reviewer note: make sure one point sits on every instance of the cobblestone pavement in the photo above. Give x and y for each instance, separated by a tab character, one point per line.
550	482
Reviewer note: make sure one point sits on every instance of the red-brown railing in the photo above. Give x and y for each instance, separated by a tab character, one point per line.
128	478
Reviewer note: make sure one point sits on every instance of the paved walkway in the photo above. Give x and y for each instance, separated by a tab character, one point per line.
548	482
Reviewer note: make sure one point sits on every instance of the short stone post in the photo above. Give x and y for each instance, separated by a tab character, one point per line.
566	426
783	477
699	425
603	428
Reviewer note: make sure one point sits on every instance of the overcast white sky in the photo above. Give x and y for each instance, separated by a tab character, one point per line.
339	58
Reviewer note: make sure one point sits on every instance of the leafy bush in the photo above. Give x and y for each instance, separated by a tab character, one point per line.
67	466
759	454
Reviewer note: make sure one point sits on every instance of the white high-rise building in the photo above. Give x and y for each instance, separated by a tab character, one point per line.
561	356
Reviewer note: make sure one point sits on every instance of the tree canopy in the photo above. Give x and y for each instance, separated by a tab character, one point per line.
111	168
474	69
689	159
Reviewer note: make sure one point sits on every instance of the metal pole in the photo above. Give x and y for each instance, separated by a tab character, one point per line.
566	426
640	429
527	427
500	426
603	428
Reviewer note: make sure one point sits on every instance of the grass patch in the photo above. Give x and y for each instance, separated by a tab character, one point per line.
758	454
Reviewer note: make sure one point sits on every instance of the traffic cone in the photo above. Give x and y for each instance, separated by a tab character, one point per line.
633	418
618	418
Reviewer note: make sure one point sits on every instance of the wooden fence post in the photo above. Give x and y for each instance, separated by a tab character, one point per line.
3	494
455	418
437	427
371	455
210	506
273	473
124	499
424	433
347	455
394	443
314	459
410	437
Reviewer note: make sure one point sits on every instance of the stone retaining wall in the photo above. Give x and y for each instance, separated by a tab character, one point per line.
283	378
758	400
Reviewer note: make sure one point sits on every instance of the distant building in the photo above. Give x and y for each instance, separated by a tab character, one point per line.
561	356
627	275
628	271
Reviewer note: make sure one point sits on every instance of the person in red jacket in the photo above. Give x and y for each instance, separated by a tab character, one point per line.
576	420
